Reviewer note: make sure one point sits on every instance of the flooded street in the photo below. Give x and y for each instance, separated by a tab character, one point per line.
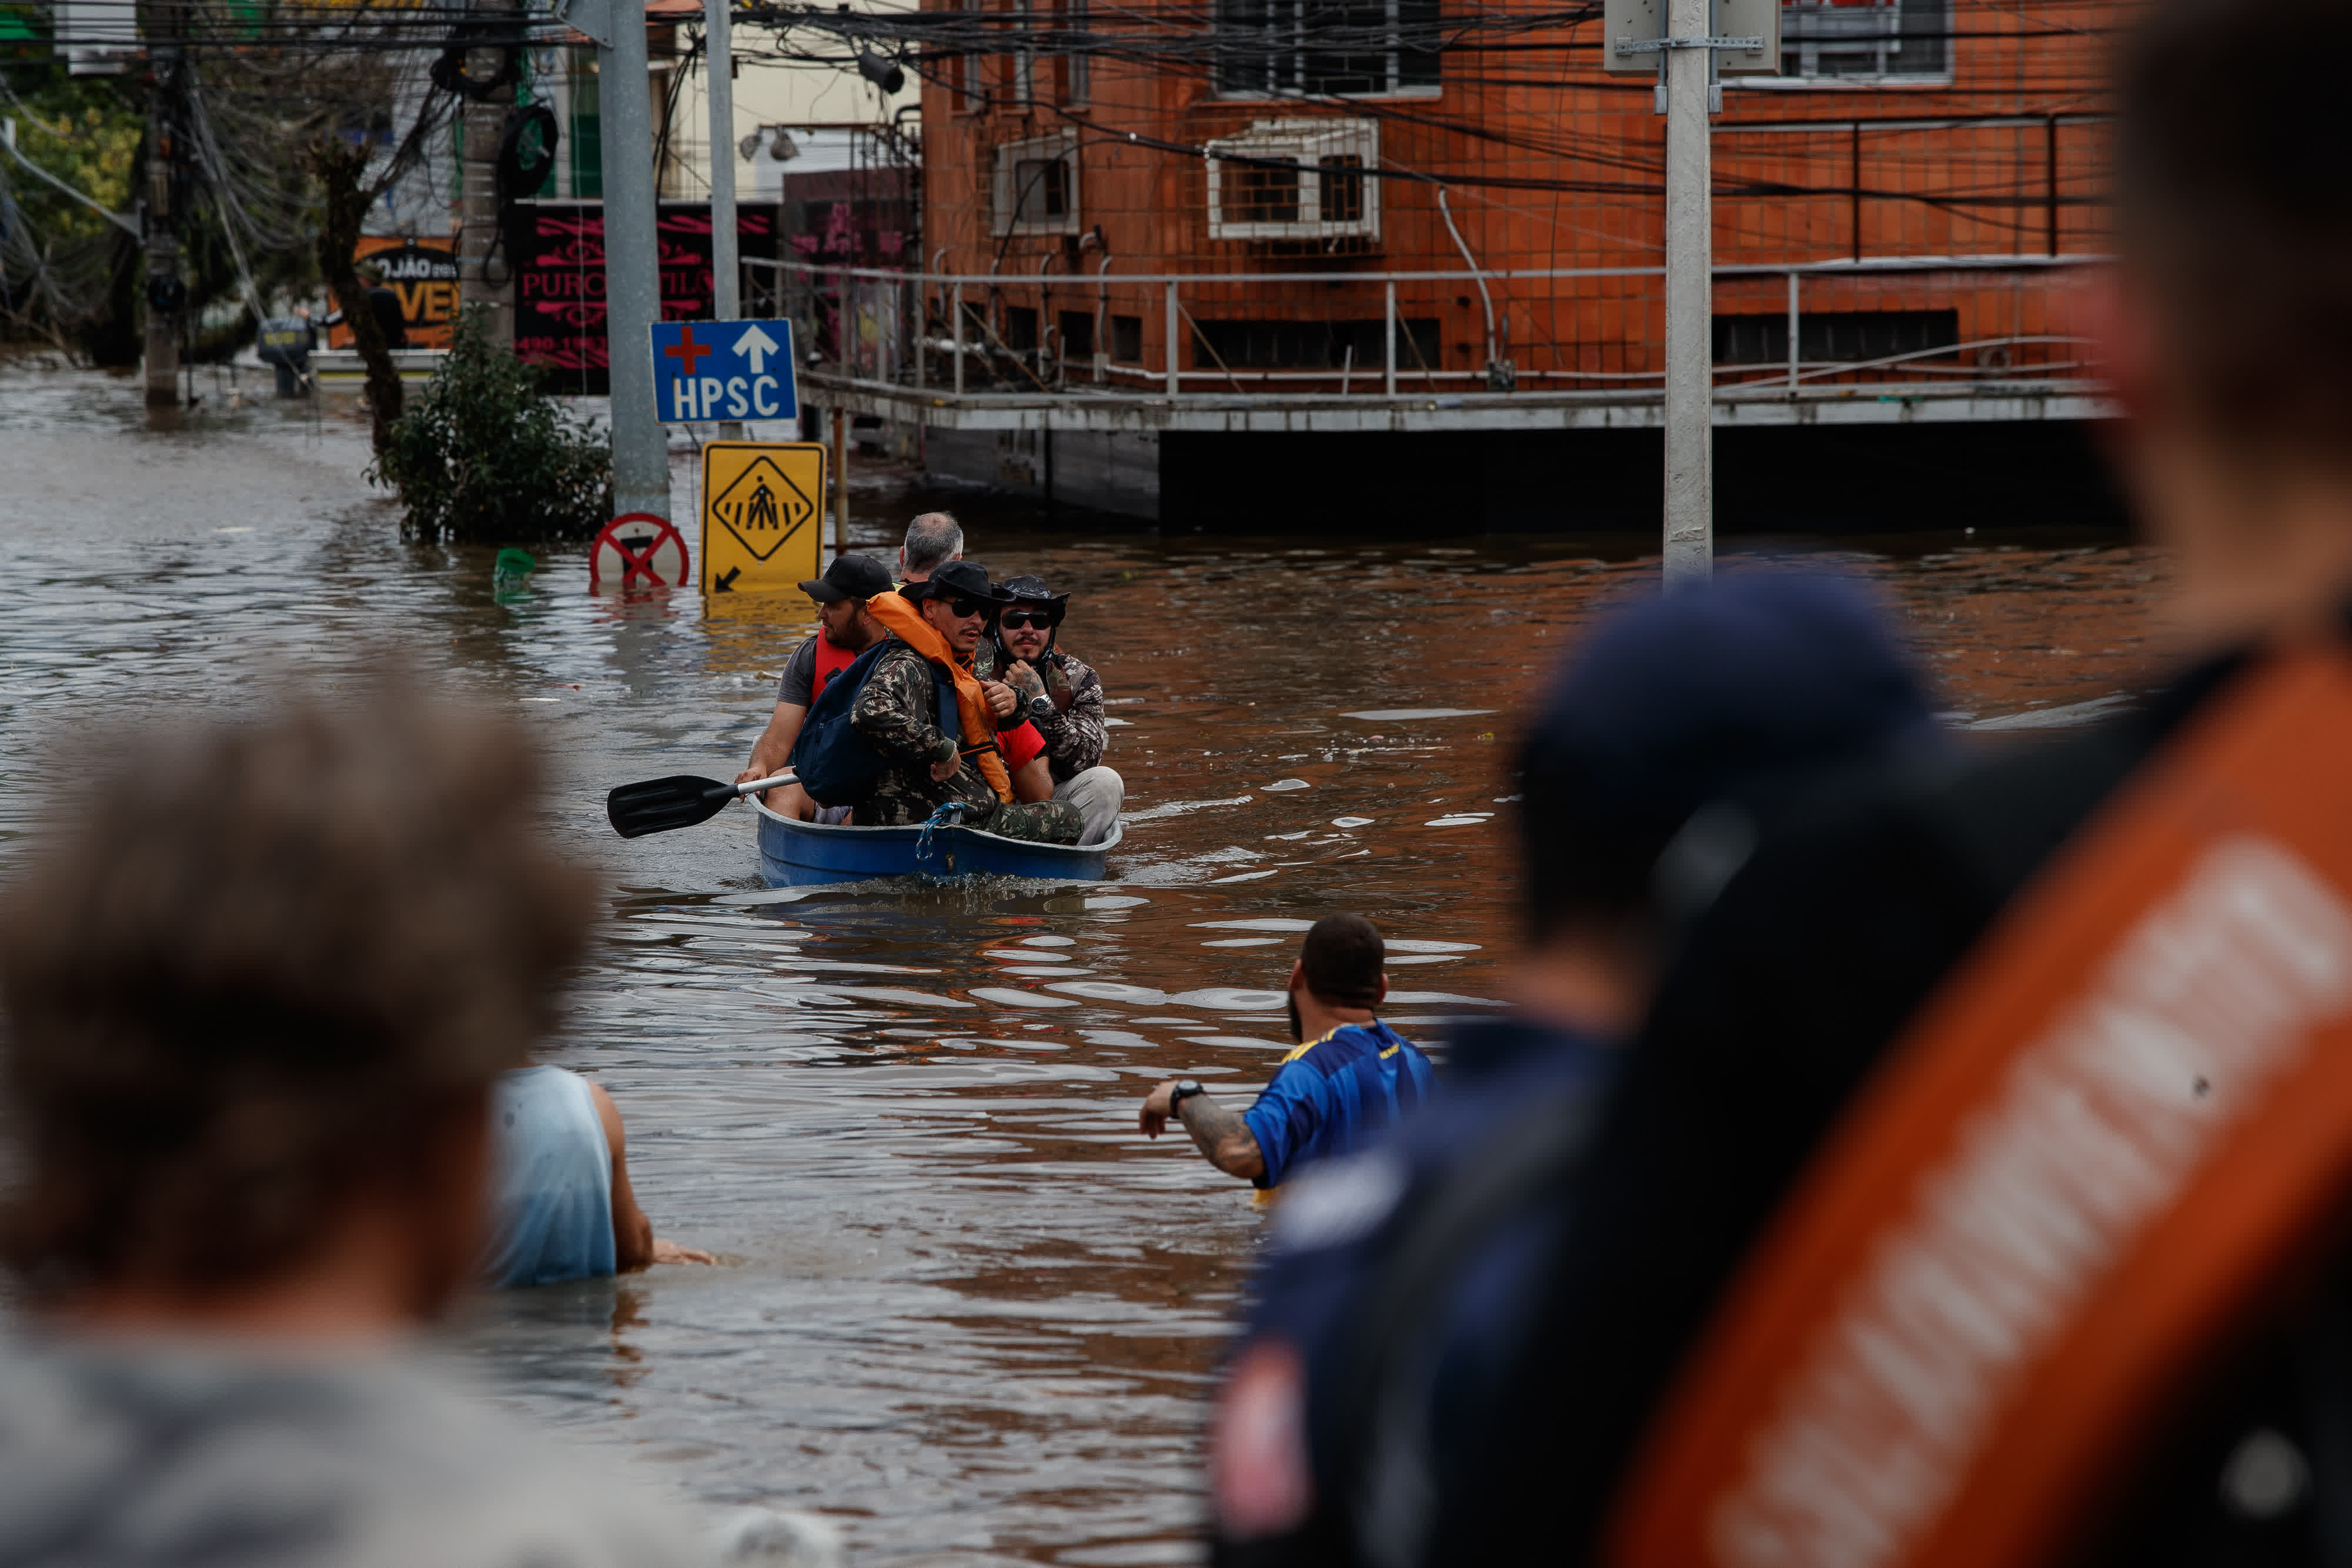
966	1311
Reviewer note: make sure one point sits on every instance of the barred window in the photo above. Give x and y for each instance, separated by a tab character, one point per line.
1268	48
1881	38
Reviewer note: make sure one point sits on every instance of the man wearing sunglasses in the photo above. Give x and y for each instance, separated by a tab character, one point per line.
1062	696
897	712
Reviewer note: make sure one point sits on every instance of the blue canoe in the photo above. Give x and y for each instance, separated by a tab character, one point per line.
797	854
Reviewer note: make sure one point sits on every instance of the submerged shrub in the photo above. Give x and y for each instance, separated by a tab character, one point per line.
482	455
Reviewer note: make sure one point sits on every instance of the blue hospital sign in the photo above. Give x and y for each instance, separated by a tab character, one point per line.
706	370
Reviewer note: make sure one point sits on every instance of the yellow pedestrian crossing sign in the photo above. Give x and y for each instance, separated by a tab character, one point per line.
762	514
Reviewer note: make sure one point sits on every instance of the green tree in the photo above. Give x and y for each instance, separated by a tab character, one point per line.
482	455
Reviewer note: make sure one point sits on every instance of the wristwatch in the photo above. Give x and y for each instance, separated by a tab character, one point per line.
1185	1089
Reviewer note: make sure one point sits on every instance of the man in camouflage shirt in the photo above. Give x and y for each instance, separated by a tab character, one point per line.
1062	696
899	712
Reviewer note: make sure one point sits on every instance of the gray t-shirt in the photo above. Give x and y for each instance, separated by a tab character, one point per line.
799	684
148	1451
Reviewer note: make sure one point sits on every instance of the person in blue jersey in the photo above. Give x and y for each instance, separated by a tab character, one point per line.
1351	1078
561	1204
1400	1284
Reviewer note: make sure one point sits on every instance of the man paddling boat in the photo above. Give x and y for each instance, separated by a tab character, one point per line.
845	630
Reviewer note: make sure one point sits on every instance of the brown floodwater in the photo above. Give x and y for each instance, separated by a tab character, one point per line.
966	1311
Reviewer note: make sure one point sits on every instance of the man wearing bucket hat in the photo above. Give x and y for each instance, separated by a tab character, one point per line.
1061	695
897	713
845	630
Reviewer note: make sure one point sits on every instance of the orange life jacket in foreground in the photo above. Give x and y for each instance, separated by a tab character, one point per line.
907	624
2105	1145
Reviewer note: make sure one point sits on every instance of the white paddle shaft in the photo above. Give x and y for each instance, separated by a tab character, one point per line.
756	785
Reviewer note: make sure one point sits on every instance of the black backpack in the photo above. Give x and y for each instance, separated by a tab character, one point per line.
838	766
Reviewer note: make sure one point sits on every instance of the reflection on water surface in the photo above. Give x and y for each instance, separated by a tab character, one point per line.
966	1310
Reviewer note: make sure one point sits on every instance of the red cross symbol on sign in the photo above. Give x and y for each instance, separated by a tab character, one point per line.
687	352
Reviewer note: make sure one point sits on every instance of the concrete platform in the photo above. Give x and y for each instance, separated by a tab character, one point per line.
1829	458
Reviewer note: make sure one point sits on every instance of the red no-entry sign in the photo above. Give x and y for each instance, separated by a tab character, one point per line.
637	550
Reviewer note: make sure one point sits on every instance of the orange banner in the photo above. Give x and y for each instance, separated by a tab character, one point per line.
424	273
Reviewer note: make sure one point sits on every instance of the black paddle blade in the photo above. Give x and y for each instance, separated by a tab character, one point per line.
657	805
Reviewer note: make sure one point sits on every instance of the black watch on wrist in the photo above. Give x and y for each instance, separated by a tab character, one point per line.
1185	1089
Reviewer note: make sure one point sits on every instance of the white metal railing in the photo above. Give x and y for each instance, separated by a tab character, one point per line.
888	325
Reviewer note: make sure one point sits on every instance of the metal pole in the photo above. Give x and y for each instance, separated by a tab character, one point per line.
2050	176
957	306
840	481
1388	349
725	266
1172	373
632	272
1854	186
1792	334
1690	371
726	269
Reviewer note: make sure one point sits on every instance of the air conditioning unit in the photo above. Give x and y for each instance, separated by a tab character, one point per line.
1296	180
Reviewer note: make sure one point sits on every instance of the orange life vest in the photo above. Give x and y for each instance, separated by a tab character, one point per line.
979	723
2105	1144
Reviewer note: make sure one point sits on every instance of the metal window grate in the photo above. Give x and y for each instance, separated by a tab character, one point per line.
1326	48
1875	38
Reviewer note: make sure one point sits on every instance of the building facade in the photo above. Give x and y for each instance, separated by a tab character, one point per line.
1399	205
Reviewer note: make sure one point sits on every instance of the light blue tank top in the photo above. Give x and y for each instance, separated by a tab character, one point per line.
551	1181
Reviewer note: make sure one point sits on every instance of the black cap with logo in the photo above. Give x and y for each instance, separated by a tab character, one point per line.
858	577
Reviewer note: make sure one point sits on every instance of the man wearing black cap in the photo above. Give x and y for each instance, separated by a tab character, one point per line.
897	713
843	630
1061	695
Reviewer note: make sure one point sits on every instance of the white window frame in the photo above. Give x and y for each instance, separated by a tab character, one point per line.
1306	143
1010	155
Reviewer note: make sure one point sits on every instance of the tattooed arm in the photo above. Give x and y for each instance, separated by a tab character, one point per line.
1218	1130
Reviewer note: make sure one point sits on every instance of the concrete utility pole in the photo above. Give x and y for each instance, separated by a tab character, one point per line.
478	203
726	270
632	266
1690	297
1689	43
167	292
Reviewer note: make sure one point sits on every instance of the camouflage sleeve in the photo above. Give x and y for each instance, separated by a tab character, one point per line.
1075	735
899	712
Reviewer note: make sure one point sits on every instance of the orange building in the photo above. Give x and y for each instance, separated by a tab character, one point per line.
1386	218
